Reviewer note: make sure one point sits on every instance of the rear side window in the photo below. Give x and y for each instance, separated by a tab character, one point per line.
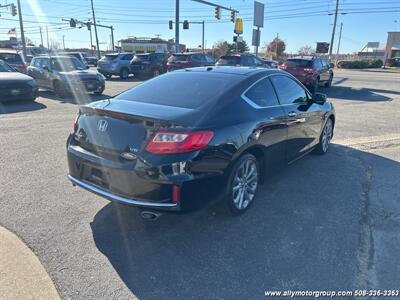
11	58
110	57
247	60
262	94
300	63
229	60
289	91
172	89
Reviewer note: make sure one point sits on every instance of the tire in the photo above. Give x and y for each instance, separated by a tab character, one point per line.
156	73
242	188
124	74
108	76
329	82
58	89
325	138
99	92
314	87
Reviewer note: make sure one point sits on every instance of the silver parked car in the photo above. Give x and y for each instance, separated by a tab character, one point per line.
115	64
65	75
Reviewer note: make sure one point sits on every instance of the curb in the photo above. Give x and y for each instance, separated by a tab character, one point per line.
22	276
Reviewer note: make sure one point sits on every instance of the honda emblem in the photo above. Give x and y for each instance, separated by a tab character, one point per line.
102	125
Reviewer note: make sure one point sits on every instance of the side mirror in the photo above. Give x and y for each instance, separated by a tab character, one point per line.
331	65
319	98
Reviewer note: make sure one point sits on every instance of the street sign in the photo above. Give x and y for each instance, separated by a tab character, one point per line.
258	14
237	39
238	26
322	47
256	37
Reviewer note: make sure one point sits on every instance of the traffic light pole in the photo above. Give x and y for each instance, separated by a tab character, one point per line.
95	31
334	29
21	26
176	26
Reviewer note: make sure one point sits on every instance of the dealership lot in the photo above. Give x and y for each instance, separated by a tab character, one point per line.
327	222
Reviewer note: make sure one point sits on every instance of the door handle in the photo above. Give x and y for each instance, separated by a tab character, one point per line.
292	114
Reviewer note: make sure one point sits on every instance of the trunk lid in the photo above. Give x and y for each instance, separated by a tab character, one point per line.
111	128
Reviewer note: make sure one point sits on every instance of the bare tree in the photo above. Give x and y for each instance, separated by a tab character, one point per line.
221	47
306	50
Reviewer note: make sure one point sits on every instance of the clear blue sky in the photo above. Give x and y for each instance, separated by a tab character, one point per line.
298	22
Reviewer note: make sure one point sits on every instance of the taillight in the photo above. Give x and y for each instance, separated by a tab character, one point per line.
176	194
309	70
173	142
283	67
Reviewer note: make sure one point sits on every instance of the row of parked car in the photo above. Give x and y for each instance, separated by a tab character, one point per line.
67	73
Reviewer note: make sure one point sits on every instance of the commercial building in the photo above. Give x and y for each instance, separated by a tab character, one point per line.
148	45
383	51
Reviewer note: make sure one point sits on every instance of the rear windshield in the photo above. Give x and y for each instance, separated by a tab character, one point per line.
301	63
141	57
229	60
172	89
179	57
110	57
11	58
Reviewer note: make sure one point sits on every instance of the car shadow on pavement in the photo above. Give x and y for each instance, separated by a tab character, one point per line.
20	106
129	79
303	233
362	94
79	99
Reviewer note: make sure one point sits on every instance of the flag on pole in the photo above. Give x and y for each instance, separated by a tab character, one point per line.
12	31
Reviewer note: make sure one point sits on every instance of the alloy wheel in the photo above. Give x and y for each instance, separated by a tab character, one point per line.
327	135
245	184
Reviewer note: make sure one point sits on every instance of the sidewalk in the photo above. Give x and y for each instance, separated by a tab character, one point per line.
22	276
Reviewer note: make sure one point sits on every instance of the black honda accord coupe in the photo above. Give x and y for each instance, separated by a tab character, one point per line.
162	144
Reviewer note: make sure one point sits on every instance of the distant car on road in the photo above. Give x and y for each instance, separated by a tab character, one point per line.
309	70
14	59
65	75
243	59
15	85
151	64
91	60
115	64
165	143
188	60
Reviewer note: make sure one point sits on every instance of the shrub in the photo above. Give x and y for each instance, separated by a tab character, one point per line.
360	64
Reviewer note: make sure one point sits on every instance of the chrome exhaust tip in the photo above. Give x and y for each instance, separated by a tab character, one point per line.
150	215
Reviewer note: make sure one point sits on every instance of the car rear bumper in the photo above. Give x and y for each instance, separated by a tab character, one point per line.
114	197
20	96
134	183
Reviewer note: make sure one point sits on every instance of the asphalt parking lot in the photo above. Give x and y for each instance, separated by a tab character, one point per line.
324	223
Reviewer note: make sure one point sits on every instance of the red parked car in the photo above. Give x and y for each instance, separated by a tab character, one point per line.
309	70
188	60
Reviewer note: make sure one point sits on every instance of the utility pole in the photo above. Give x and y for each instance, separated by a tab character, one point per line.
112	39
177	26
41	36
276	45
91	40
47	33
95	31
202	37
63	38
338	46
334	29
21	26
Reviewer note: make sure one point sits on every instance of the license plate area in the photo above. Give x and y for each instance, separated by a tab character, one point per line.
96	176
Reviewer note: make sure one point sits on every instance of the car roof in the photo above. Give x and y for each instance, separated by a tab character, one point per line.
188	53
53	56
8	50
305	57
244	71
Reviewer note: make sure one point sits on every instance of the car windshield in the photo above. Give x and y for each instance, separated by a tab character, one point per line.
66	64
5	67
300	63
110	56
11	58
179	57
171	89
229	60
141	57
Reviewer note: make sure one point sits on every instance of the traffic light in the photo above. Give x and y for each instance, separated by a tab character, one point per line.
233	16
13	10
218	12
170	23
72	23
88	25
186	24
